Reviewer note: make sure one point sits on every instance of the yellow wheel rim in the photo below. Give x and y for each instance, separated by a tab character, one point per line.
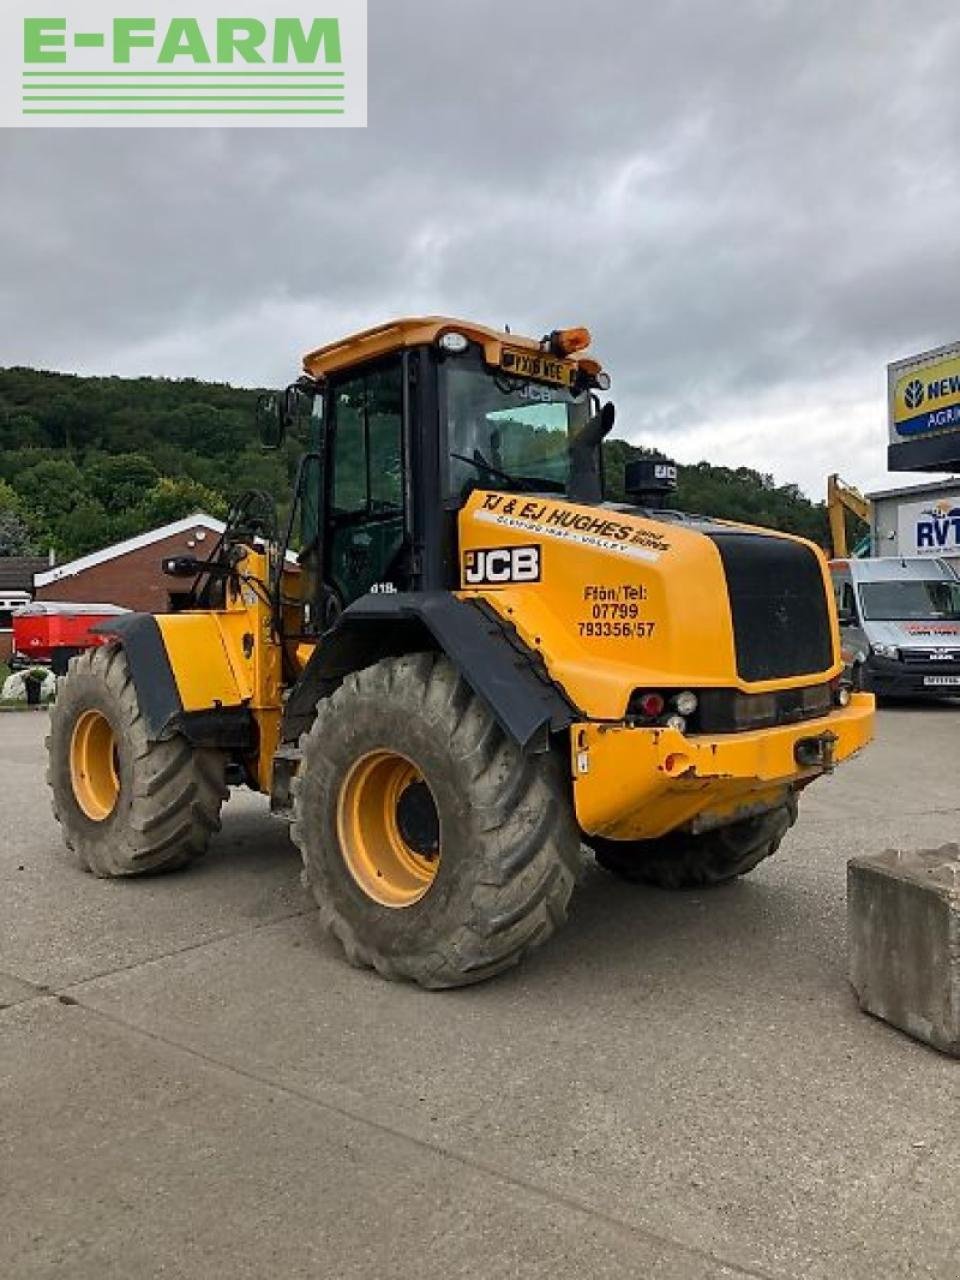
94	770
388	828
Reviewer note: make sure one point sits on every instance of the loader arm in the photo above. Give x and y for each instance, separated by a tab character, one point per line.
841	498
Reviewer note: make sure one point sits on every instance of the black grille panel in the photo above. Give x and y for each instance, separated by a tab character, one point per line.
781	625
729	711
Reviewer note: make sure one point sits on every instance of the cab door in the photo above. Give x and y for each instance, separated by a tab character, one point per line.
366	511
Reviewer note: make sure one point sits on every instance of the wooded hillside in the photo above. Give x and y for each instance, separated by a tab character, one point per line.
86	461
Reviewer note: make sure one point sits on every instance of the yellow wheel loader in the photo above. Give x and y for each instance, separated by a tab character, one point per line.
456	664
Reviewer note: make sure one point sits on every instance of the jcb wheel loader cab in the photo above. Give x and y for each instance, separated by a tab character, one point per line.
474	664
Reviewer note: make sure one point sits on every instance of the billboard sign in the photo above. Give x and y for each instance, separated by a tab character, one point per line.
930	527
923	394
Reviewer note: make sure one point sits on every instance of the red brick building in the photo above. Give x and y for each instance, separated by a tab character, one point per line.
128	573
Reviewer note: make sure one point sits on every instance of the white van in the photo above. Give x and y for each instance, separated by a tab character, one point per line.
900	624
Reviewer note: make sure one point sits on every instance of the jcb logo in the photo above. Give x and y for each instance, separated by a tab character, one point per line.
494	566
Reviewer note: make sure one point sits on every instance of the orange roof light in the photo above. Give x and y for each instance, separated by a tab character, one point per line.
564	342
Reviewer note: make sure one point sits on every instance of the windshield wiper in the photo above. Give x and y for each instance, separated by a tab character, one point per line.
526	484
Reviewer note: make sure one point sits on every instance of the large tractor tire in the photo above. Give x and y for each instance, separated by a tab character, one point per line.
697	861
127	806
436	850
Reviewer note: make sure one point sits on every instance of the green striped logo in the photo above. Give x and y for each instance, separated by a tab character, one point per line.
92	66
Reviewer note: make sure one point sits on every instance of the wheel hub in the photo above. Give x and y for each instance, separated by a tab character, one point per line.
94	765
389	828
418	821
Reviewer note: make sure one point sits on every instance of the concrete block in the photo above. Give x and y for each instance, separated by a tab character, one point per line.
903	926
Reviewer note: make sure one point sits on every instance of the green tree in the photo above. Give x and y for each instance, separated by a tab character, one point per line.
52	488
18	429
15	534
15	539
173	499
14	462
86	528
68	420
121	481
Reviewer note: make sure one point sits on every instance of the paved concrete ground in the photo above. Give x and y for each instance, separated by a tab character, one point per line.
193	1084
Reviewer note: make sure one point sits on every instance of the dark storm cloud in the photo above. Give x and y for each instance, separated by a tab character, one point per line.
753	206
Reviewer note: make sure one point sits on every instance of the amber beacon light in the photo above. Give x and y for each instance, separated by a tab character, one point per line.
564	342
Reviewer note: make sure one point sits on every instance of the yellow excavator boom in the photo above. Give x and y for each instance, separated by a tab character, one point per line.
843	497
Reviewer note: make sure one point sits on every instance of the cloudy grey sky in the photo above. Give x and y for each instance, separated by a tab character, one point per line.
753	205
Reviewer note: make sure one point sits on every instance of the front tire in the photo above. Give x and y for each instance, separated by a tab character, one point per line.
127	806
436	850
680	861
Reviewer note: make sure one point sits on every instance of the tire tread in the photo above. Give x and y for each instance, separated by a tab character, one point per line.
526	842
176	790
698	861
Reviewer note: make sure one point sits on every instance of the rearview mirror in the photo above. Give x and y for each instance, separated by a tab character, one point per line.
271	420
280	412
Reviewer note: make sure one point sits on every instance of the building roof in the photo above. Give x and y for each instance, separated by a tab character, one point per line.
918	490
17	572
199	520
70	568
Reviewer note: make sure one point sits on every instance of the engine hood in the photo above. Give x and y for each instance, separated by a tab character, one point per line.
614	599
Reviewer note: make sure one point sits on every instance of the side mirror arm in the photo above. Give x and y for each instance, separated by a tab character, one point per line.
586	482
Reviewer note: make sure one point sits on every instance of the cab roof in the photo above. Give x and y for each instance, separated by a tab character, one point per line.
412	331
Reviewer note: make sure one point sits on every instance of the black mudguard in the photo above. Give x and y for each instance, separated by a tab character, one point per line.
489	655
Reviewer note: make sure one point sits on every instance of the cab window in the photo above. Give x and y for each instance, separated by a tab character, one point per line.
366	517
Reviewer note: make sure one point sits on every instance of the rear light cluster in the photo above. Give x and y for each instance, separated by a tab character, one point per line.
730	710
669	710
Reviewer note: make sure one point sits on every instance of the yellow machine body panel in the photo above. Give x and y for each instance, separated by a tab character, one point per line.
620	602
220	678
614	602
229	657
635	783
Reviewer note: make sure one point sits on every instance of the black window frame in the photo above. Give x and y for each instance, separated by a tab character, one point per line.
332	431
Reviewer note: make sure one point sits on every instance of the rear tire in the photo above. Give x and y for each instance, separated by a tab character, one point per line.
450	883
127	806
681	861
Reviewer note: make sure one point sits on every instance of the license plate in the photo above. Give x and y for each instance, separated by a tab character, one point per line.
528	364
941	680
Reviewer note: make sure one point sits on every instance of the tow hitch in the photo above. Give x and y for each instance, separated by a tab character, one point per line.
817	753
